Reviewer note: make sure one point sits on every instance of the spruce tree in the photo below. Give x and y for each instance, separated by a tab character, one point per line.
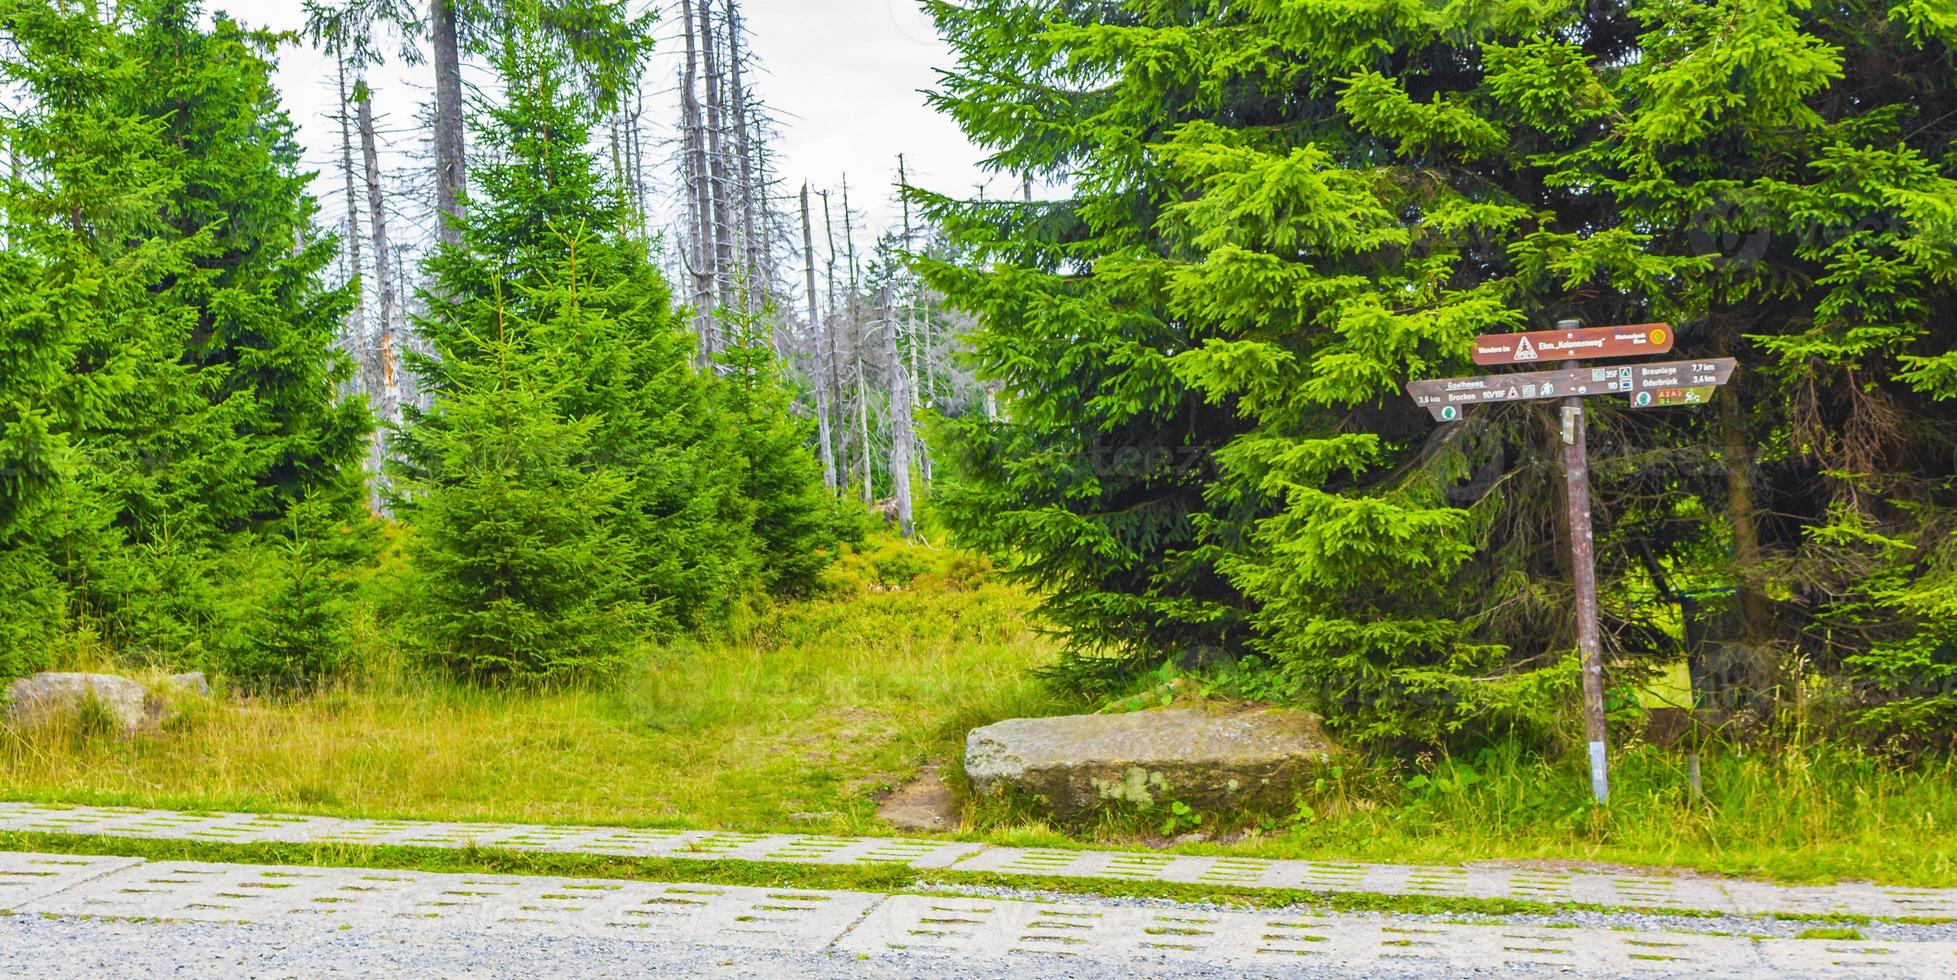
266	319
544	255
155	214
1279	214
519	567
795	519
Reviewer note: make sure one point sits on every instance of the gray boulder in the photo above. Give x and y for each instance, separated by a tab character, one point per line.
46	697
1212	760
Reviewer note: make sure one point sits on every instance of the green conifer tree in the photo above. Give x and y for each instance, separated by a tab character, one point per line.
156	212
1281	212
795	519
542	220
519	568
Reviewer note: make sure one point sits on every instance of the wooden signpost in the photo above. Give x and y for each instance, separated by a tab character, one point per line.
1645	385
1653	384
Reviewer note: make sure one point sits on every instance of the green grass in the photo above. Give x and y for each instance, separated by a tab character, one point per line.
1831	932
818	708
1803	813
799	724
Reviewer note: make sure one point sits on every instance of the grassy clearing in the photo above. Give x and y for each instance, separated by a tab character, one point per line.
799	724
818	708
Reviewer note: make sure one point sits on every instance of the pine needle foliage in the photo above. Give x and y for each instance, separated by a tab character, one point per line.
545	260
798	526
171	385
519	566
1279	211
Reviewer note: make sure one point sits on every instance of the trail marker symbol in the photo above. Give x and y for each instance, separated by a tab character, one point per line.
1635	340
1652	384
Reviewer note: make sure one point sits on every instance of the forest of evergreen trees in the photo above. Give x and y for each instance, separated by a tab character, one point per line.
1283	211
208	431
1165	393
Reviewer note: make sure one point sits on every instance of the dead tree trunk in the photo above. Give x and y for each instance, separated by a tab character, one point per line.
900	418
910	301
863	426
744	149
698	179
856	349
821	363
918	329
451	167
637	148
723	239
357	330
832	364
388	406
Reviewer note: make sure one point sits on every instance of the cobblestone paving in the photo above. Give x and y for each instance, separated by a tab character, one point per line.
1603	888
452	906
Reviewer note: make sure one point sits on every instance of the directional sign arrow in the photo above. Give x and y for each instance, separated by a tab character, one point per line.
1445	398
1575	343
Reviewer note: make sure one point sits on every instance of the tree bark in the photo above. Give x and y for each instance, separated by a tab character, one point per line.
900	419
451	165
744	151
821	363
723	240
357	330
389	407
910	301
638	151
832	364
701	263
856	348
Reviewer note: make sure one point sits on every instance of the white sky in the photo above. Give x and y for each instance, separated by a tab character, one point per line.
842	76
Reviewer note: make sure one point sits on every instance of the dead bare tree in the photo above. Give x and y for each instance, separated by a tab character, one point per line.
744	150
451	166
856	349
833	365
357	325
698	181
387	407
723	237
821	380
900	417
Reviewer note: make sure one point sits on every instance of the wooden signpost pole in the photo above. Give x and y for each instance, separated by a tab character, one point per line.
1583	571
1647	384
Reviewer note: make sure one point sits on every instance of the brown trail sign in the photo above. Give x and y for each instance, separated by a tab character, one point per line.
1446	397
1647	385
1638	340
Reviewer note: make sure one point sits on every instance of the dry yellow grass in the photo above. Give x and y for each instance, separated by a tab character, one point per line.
822	706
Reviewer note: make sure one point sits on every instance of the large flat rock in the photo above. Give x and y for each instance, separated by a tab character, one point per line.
1212	760
44	697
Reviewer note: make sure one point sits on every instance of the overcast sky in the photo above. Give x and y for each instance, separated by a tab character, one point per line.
842	76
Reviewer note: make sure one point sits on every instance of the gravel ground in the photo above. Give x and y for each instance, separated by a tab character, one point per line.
34	946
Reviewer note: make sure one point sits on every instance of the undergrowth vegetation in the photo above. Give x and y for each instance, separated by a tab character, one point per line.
813	710
1790	812
795	721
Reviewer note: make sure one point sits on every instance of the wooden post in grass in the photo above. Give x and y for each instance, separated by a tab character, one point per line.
1583	573
1652	384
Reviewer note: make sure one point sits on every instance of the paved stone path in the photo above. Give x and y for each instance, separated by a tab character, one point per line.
450	906
1601	888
